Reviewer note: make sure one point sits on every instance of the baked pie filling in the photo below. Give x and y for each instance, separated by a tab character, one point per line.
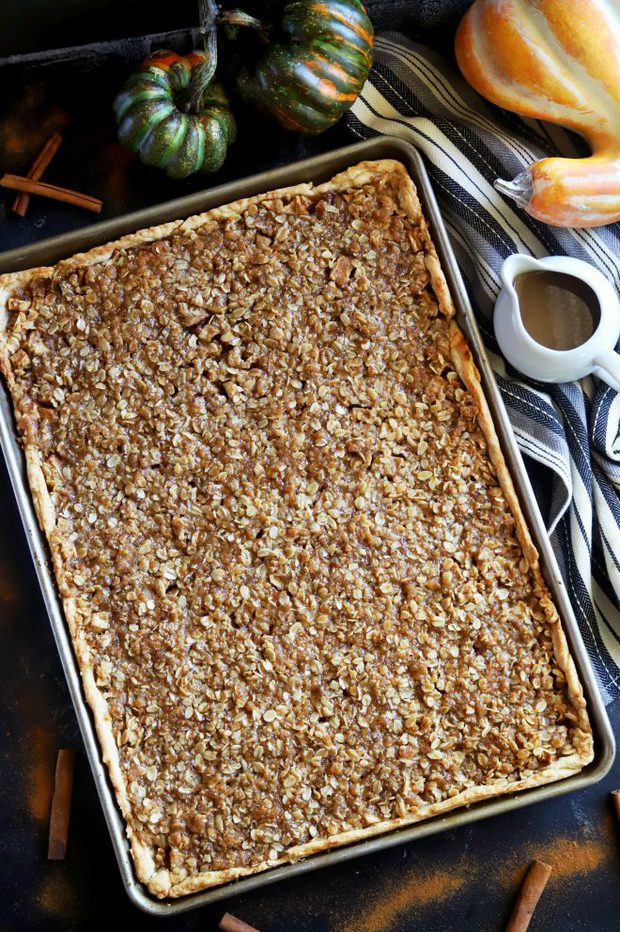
301	591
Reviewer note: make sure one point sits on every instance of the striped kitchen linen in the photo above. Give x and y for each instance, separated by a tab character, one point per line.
572	430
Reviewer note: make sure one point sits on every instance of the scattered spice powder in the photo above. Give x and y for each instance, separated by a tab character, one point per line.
10	595
395	900
118	163
40	774
32	120
59	897
570	856
615	803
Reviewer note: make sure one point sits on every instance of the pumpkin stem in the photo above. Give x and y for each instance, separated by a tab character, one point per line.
240	18
203	73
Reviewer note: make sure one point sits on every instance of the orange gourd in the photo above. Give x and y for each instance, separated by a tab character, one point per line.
555	60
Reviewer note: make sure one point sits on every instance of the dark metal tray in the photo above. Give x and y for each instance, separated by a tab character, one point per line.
317	169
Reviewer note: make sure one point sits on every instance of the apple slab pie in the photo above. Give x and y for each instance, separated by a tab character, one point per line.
301	591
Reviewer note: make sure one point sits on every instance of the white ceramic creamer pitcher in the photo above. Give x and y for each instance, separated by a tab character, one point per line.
590	350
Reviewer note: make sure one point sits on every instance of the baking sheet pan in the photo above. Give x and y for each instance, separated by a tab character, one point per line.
317	169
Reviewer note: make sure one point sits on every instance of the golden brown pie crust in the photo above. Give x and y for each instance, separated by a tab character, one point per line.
396	197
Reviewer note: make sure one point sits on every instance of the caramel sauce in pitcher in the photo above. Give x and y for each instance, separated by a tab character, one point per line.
558	310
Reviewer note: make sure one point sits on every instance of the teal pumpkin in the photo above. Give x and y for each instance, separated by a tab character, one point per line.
153	119
314	67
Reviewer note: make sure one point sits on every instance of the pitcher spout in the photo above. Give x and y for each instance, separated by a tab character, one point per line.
516	265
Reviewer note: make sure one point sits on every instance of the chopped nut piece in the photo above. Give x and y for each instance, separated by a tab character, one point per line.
341	271
100	621
17	305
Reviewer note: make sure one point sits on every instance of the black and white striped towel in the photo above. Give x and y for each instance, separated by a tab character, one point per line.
572	429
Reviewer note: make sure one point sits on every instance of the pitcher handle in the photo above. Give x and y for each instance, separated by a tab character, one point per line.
607	367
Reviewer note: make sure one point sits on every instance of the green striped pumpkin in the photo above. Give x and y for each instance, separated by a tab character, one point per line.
316	65
151	117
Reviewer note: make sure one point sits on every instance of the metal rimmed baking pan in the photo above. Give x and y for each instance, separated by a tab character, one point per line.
317	169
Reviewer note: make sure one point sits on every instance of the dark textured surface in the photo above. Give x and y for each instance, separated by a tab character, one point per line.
477	868
72	89
31	25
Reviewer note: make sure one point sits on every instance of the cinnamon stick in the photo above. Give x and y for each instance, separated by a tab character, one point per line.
230	923
17	183
43	159
61	806
615	801
529	895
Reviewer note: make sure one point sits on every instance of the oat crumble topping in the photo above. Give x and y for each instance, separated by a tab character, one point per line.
294	566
